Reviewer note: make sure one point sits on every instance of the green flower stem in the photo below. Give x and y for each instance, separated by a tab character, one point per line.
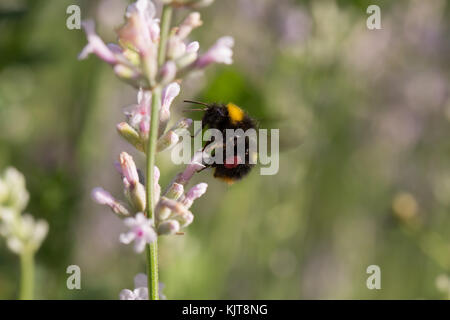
166	18
152	249
27	275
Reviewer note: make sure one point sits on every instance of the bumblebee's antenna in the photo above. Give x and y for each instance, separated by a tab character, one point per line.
189	110
197	102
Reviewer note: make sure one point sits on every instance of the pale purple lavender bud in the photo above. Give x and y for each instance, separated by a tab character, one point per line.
194	166
168	72
175	48
125	72
185	219
167	141
129	170
175	191
192	21
96	45
115	48
134	190
194	193
193	47
178	211
172	136
169	94
162	213
130	135
165	206
181	125
168	227
103	197
137	197
190	55
220	52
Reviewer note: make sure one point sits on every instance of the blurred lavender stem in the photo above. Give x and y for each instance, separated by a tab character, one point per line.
166	18
152	249
27	275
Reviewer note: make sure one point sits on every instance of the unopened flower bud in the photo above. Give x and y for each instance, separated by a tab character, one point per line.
194	166
125	72
96	45
129	171
178	211
194	193
168	227
130	135
220	52
192	21
181	125
137	197
168	95
175	191
188	59
167	141
101	196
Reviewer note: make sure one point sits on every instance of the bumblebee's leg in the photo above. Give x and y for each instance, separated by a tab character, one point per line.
206	167
206	144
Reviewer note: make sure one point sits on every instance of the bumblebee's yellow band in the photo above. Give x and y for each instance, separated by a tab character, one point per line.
236	114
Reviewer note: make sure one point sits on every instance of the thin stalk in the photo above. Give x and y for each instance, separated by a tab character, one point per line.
166	18
26	275
152	249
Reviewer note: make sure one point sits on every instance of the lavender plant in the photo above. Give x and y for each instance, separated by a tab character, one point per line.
23	234
154	58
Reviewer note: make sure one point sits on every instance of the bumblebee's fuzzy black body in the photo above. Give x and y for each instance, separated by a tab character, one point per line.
217	116
229	116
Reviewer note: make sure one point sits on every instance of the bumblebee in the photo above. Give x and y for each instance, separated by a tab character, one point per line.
223	117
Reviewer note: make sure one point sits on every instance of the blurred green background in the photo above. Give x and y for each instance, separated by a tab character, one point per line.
364	177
